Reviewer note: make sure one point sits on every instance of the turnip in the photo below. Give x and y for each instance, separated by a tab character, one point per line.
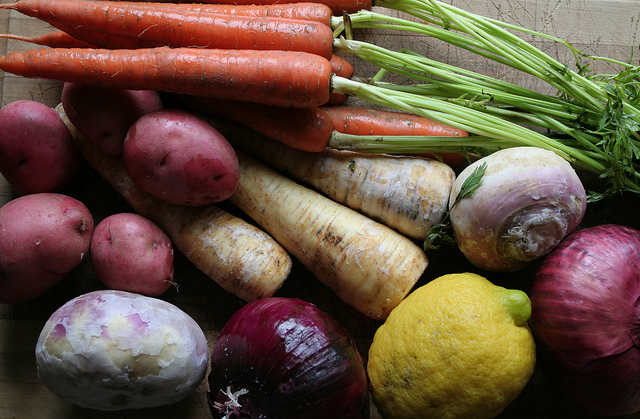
113	350
527	201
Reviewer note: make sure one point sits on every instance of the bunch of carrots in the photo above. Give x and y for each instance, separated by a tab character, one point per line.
271	67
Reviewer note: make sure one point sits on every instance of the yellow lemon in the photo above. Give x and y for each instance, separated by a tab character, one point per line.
457	347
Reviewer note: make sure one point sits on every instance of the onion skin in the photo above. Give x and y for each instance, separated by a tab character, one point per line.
529	200
293	361
586	307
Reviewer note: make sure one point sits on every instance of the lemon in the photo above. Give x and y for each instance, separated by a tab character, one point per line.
457	347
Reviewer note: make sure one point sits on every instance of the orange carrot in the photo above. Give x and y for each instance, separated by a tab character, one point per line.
302	11
338	7
58	39
61	39
178	26
241	258
280	78
343	68
307	129
367	121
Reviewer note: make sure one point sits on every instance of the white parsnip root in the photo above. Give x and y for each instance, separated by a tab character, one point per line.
409	194
241	258
367	264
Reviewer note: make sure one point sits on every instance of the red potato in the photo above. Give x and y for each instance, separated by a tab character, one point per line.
131	253
104	115
181	159
37	153
43	237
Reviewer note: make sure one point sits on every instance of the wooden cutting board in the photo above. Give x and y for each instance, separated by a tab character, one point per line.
610	28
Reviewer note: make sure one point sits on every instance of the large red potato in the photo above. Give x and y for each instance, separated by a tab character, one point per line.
104	115
42	238
37	153
179	158
131	253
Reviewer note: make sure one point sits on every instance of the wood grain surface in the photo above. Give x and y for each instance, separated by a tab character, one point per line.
610	28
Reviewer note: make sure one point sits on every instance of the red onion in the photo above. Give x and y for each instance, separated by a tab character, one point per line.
286	358
585	317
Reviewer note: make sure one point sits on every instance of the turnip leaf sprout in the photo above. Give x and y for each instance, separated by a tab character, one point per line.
442	232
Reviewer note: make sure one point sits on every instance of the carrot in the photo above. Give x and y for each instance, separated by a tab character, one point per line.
343	68
314	129
241	258
367	264
62	39
58	39
306	129
409	194
302	11
369	121
338	7
280	78
178	27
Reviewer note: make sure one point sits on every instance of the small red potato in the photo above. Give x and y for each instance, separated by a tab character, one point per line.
131	253
37	153
179	158
104	115
42	238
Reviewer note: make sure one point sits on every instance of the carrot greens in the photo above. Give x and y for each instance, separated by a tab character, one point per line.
593	121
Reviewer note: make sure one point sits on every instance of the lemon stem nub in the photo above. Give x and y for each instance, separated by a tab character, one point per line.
518	304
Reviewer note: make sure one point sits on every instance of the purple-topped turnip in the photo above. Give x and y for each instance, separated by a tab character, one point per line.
528	200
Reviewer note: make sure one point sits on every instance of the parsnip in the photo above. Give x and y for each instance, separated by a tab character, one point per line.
367	264
241	258
409	194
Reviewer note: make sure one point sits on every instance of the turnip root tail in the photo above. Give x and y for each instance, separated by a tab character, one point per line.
368	265
241	258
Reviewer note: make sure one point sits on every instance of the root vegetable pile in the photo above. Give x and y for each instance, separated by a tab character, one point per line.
242	137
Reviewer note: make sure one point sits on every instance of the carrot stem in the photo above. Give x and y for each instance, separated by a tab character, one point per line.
479	123
599	113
